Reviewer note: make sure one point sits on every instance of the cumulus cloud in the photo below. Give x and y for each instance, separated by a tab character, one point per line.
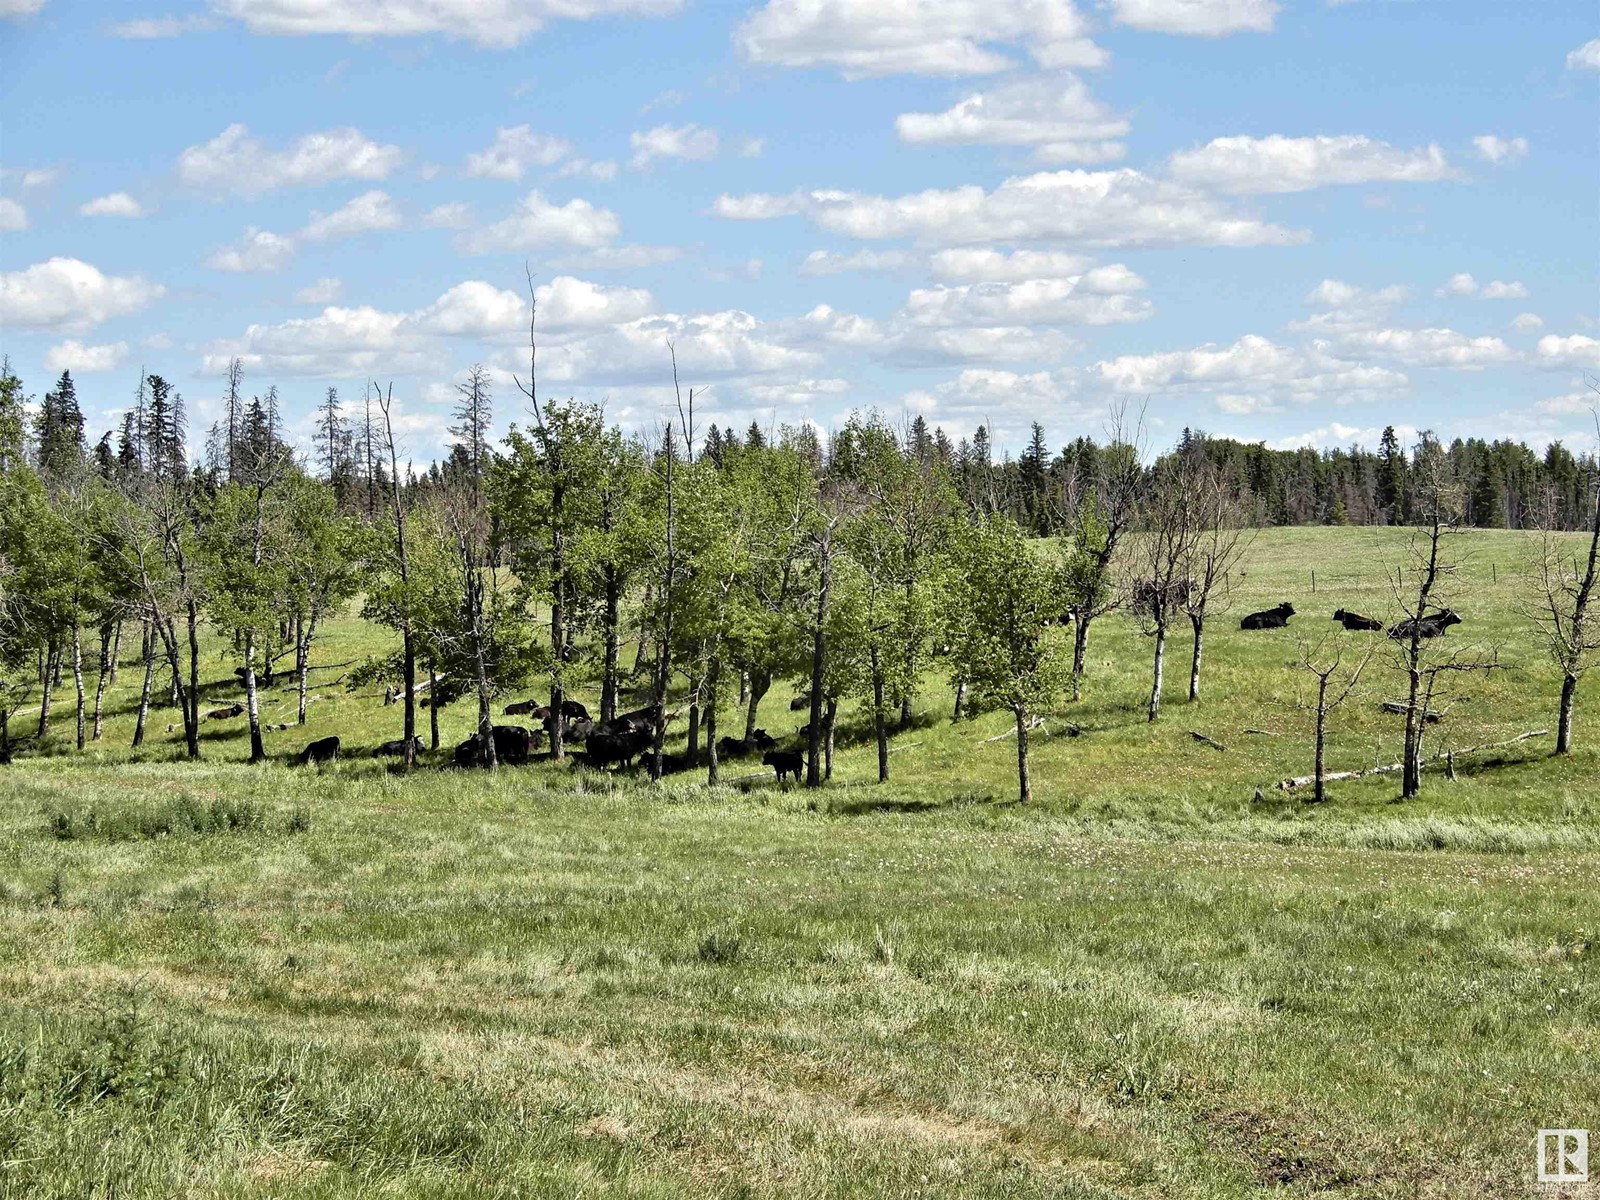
324	291
70	295
75	356
1334	435
690	143
367	212
1427	348
1276	164
259	250
1342	306
13	217
496	23
454	215
916	37
20	8
1586	57
153	28
1055	116
537	223
1104	208
601	170
1463	284
1576	350
515	151
1251	366
1524	322
829	262
983	265
1197	18
233	161
117	204
1500	150
1080	300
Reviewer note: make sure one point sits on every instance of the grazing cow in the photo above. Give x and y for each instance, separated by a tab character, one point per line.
512	745
762	740
639	718
222	714
799	702
1354	620
784	762
320	751
623	746
398	746
1431	626
1272	618
522	708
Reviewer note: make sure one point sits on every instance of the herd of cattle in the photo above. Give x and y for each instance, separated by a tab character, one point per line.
1430	626
605	743
624	738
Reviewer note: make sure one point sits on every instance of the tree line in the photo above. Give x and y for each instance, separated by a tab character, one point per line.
854	565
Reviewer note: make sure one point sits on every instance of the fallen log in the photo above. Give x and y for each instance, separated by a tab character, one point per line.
1391	768
1263	732
1399	707
1207	741
907	746
1036	723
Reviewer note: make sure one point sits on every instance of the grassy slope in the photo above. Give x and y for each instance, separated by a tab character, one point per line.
453	985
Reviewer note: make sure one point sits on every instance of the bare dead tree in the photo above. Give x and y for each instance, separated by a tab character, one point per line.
1222	536
1160	587
1323	660
408	650
1562	610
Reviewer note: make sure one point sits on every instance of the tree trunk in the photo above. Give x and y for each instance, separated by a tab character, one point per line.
116	648
1024	784
144	691
433	708
77	677
879	731
713	678
827	740
1080	652
252	702
408	653
961	697
1160	665
1411	774
610	634
819	661
107	656
695	686
192	719
638	657
744	687
302	668
1199	623
1319	794
758	685
1569	687
44	699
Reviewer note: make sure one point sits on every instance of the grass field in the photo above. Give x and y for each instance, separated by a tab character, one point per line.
224	980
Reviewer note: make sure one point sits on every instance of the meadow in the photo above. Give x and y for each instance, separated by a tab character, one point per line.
1164	978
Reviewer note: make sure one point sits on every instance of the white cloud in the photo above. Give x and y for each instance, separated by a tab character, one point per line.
1334	435
796	393
20	8
454	215
1254	366
1576	350
75	356
1500	150
150	28
1245	165
13	217
324	291
1080	300
618	258
1525	322
117	204
367	212
473	309
257	250
71	295
978	265
1586	57
828	262
515	150
233	161
918	37
1197	18
1427	348
29	177
1343	307
1054	115
537	223
1103	208
486	22
602	170
688	142
1572	402
1463	284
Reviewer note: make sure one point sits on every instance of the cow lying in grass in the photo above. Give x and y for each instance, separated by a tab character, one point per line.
1430	626
1271	618
1354	620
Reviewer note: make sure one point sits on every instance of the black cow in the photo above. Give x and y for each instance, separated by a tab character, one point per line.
762	740
623	746
522	708
1354	620
396	747
574	711
799	702
320	751
1272	618
512	745
672	764
221	714
1431	626
784	762
731	747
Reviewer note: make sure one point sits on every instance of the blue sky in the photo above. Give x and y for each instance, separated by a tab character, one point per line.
1278	220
